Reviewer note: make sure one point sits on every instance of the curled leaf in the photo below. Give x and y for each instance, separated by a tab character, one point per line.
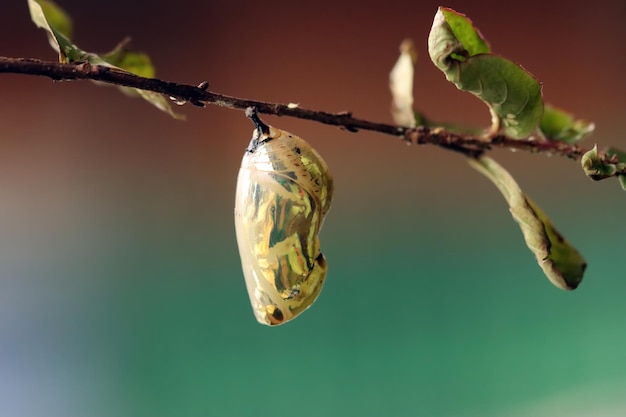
557	124
465	33
594	167
560	261
512	94
613	165
401	85
58	26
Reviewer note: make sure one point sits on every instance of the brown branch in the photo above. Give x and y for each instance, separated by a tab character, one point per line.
198	95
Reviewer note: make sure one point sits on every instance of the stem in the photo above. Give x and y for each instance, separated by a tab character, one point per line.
468	145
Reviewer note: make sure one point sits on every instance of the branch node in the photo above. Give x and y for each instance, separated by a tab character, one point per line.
203	85
84	67
197	102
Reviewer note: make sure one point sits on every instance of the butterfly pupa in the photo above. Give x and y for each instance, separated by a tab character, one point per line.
284	191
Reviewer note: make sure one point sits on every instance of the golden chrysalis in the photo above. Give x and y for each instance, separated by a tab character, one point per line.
284	190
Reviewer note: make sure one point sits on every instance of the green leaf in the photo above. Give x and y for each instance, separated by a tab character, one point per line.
122	57
140	64
54	16
58	25
594	167
161	102
509	91
512	94
465	32
598	168
619	154
401	86
561	262
559	125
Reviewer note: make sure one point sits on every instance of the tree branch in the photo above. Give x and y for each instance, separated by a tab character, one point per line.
198	95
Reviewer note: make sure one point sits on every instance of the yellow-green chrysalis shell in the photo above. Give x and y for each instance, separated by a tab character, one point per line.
284	190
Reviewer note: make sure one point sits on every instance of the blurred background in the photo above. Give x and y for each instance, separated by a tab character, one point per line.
121	290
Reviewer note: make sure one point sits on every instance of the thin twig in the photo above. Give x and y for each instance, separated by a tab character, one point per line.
198	95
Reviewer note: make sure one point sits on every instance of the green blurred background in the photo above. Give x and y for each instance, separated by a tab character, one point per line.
121	291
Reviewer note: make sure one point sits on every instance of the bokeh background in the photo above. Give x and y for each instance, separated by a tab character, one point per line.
121	291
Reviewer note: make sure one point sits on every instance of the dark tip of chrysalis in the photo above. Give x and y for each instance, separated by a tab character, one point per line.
252	114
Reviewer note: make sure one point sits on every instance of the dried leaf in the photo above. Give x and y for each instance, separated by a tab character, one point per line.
401	85
561	262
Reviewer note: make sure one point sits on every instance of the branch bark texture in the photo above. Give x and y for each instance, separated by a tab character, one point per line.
199	95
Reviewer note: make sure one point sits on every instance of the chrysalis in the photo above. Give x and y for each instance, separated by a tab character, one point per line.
284	190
